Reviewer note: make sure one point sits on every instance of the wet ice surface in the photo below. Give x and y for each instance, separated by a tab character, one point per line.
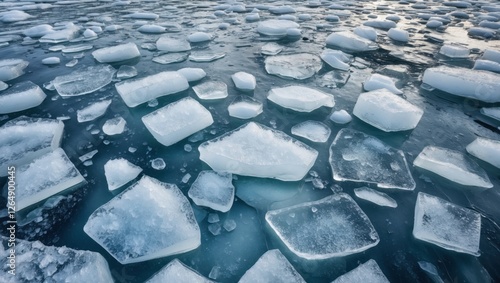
385	44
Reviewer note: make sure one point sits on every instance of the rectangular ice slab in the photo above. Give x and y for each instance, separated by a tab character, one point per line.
83	81
334	226
476	84
272	267
486	149
357	157
452	165
138	91
295	66
20	97
387	111
47	175
117	53
149	220
36	262
214	190
24	139
256	150
366	272
447	225
300	98
177	121
12	68
176	271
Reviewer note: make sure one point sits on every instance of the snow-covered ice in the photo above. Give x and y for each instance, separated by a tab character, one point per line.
84	81
119	172
244	107
375	197
213	189
12	68
117	53
350	42
365	272
485	149
114	126
38	31
244	81
312	130
298	66
300	98
61	35
211	90
93	111
176	271
377	81
20	97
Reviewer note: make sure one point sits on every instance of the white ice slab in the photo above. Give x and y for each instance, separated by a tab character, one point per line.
38	30
366	272
244	81
296	66
300	98
276	27
12	68
119	172
377	81
485	149
375	197
93	111
214	190
211	90
244	107
20	97
176	271
84	81
336	59
366	32
199	36
398	35
350	42
68	33
454	51
114	126
312	130
341	117
169	44
117	53
192	74
492	112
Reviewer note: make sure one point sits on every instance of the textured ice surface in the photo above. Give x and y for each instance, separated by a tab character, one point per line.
381	24
20	97
12	68
336	59
452	165
126	72
205	56
387	111
38	31
51	61
276	27
117	53
214	190
172	44
341	117
350	42
141	90
300	98
492	112
487	150
272	267
93	111
447	225
36	262
487	65
170	58
357	157
199	36
296	66
149	220
492	55
211	90
375	197
377	81
176	272
398	35
244	81
192	74
312	130
256	150
454	51
151	29
46	176
119	172
366	32
62	35
114	126
271	48
244	107
177	121
23	139
476	84
366	272
334	226
83	81
14	16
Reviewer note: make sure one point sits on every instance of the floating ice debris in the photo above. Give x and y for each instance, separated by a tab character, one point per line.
14	16
24	139
375	197
380	24
272	267
114	126
51	61
350	42
211	90
38	31
487	65
205	56
214	190
244	107
341	117
192	74
213	217
172	45
434	24
271	48
199	37
336	59
377	81
39	263
482	32
178	120
491	55
366	272
113	28
454	51
431	271
387	111
293	32
12	68
492	112
276	27
151	29
452	165
20	97
88	155
447	225
83	81
279	10
93	111
117	53
336	227
77	48
487	150
366	32
296	66
119	172
398	35
350	153
149	209
68	33
244	81
3	86
126	72
312	130
143	16
158	164
256	150
300	98
141	90
44	177
89	34
170	58
72	63
176	271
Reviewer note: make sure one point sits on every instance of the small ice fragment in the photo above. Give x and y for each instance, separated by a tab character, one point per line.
454	51
214	190
215	229
300	98
12	68
211	90
298	66
312	130
340	117
366	272
119	172
199	37
244	81
176	271
276	27
92	111
192	74
375	197
84	81
377	81
114	126
126	72
229	225
20	97
350	42
244	107
485	149
117	53
398	35
51	61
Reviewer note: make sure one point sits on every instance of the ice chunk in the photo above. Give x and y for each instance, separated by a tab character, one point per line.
431	270
3	86
192	74
381	24
148	220
214	190
68	33
36	262
114	126
244	107
487	65
377	81
350	42
492	112
476	84
487	150
491	55
46	176
454	51
452	165
366	272
279	10
366	32
211	90
447	225
14	16
119	172
334	226
138	91
177	120
199	37
276	27
296	66
93	111
20	97
312	130
244	81
336	59
387	111
51	61
158	164
117	53
126	72
375	197
38	31
172	45
352	151
12	68
151	29
341	117
89	34
176	271
300	98
398	35
434	24
170	58
272	267
24	139
271	48
256	150
77	48
143	16
83	81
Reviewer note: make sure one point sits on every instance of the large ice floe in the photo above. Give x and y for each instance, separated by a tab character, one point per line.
365	272
298	66
176	271
138	225
20	97
256	150
300	98
84	81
